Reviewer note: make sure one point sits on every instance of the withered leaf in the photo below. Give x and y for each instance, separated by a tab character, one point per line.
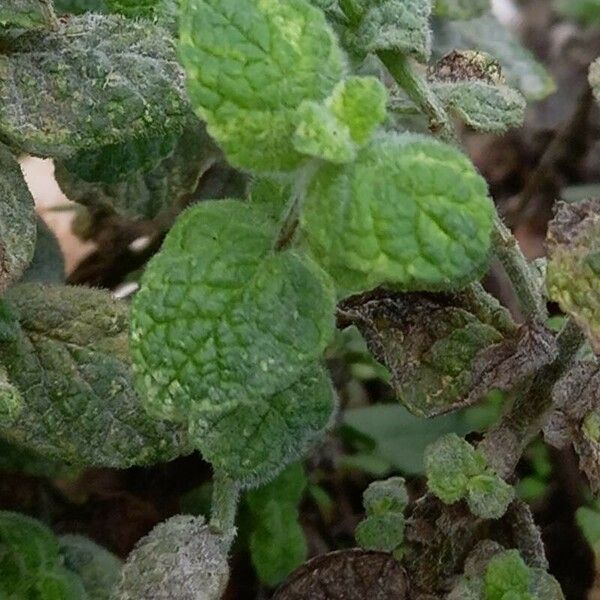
443	352
573	275
576	417
347	575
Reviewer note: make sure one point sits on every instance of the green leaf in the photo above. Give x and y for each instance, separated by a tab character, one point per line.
470	85
400	437
411	212
146	192
287	488
450	463
401	25
588	520
443	351
461	9
78	7
319	133
250	64
507	573
381	532
585	11
134	8
98	569
386	496
573	272
17	221
179	558
69	360
521	68
488	496
95	80
47	264
29	14
59	584
225	336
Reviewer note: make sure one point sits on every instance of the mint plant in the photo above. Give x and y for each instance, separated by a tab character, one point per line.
360	209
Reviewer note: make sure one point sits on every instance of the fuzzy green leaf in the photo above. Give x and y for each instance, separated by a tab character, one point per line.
29	14
149	189
507	573
94	81
386	496
30	564
250	64
98	569
461	9
134	8
488	496
470	85
68	357
449	464
179	558
225	335
78	7
17	220
573	272
381	532
485	33
411	212
401	25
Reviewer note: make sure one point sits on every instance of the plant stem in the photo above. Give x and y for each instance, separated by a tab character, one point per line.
506	442
49	14
519	272
403	70
225	496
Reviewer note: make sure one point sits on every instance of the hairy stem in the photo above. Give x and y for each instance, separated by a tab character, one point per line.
505	443
403	70
225	496
519	272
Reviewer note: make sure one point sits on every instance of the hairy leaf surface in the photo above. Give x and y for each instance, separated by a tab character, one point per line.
471	85
444	353
250	64
225	336
17	220
461	9
96	80
147	191
29	14
179	558
410	211
573	272
68	358
487	34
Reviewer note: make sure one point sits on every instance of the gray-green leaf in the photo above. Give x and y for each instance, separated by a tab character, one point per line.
94	81
29	14
69	360
17	220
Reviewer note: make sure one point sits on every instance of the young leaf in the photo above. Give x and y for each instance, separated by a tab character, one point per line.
17	220
461	9
444	354
450	463
98	569
381	532
69	359
507	574
250	64
94	81
386	496
226	334
488	496
573	272
277	541
521	68
179	558
410	211
29	14
134	8
470	84
401	25
145	193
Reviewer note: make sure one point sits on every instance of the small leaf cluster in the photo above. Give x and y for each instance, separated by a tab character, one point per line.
383	527
455	471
